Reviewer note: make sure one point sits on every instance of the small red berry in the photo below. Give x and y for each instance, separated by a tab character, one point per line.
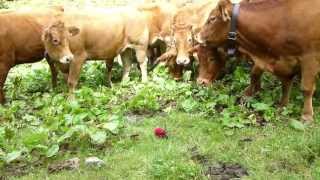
160	133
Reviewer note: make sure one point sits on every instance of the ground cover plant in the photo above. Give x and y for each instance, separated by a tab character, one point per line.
213	132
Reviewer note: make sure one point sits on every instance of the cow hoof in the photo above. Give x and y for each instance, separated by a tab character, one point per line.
251	91
307	119
71	97
109	85
54	85
2	102
177	79
282	104
125	80
248	92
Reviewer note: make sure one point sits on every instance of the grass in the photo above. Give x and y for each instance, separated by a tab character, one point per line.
274	152
207	121
207	126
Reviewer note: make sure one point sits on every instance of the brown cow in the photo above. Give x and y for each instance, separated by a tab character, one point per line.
20	40
212	66
105	34
211	63
186	25
280	44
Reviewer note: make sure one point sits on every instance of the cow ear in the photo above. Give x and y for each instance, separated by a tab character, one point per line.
73	30
45	35
223	10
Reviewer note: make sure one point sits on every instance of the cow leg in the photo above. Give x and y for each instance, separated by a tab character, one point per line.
143	62
309	70
4	70
65	77
54	72
255	82
74	73
286	90
127	63
109	65
64	69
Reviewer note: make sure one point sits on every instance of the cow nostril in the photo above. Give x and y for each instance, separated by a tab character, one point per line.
186	61
69	59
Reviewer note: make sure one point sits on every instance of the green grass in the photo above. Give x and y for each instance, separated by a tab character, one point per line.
275	152
209	120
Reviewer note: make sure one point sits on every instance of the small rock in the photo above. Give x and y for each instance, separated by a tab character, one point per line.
94	161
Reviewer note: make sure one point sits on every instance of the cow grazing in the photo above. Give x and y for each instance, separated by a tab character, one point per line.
284	44
186	25
211	63
20	40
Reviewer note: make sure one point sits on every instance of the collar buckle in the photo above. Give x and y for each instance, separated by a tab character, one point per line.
232	36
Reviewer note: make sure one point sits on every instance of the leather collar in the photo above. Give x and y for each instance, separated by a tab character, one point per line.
232	36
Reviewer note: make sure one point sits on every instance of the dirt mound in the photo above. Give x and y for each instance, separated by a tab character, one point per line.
225	171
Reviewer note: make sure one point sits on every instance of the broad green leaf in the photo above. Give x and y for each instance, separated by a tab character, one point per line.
41	148
12	156
187	75
297	125
98	137
31	138
67	135
52	151
189	105
260	106
111	126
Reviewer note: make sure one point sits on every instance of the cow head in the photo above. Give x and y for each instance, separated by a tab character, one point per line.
184	40
175	70
56	41
169	60
215	31
211	64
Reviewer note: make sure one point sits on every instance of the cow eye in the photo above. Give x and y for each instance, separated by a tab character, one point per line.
212	19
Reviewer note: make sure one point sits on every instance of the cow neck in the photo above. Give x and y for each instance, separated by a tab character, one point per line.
249	36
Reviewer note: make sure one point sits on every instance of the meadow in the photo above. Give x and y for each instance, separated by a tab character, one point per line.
213	132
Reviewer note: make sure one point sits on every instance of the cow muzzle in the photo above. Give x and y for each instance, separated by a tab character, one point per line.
203	81
183	61
66	59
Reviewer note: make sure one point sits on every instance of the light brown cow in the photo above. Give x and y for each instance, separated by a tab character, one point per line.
20	40
280	44
79	36
186	25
